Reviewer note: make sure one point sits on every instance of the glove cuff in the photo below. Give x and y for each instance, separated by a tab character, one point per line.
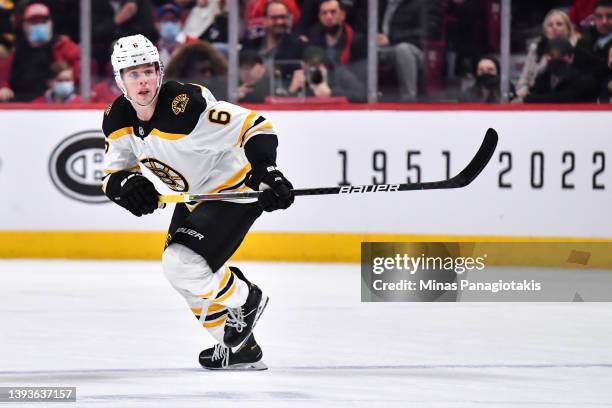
258	174
115	181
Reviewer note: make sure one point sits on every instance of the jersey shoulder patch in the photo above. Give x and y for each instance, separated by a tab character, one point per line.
180	106
117	117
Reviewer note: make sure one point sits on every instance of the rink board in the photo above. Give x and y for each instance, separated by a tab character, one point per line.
548	180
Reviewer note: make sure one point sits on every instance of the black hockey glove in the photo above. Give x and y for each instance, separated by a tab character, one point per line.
276	189
132	191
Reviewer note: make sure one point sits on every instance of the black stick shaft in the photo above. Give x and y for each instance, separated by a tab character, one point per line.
465	177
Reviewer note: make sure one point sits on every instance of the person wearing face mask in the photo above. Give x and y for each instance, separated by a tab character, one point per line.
562	82
36	48
487	88
61	86
557	24
171	36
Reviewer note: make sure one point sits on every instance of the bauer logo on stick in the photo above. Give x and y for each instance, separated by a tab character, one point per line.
76	165
369	188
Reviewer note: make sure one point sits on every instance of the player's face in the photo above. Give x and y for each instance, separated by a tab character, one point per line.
141	83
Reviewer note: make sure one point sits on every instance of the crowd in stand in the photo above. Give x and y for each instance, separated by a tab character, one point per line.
316	50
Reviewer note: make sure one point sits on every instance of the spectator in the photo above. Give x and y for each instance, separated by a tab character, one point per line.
199	62
355	11
338	40
36	49
404	26
254	78
66	21
487	86
561	82
276	43
592	49
321	79
280	50
257	8
201	16
171	35
61	89
605	96
217	33
556	25
134	17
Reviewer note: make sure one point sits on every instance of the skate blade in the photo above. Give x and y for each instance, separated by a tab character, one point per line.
260	310
256	366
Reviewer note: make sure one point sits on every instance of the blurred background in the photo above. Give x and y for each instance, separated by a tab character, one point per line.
313	51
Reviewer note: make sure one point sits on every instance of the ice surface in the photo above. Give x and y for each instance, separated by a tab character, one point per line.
119	332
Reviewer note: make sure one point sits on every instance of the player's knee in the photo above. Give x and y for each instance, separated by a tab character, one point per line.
181	264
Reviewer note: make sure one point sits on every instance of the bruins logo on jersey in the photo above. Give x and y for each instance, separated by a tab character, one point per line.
180	103
170	177
108	109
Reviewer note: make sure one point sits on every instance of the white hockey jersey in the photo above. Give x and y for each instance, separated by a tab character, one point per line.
193	143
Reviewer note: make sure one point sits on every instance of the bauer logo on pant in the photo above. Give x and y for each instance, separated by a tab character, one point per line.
190	232
76	166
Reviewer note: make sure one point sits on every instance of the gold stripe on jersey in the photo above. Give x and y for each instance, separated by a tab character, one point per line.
251	132
126	131
215	307
239	175
229	293
245	126
133	168
226	277
215	323
165	135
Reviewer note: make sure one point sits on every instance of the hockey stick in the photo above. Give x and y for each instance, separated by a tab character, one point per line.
465	177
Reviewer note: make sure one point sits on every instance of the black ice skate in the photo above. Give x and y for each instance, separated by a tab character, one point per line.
247	358
241	320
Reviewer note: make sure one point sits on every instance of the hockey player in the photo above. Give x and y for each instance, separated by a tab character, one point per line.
194	143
